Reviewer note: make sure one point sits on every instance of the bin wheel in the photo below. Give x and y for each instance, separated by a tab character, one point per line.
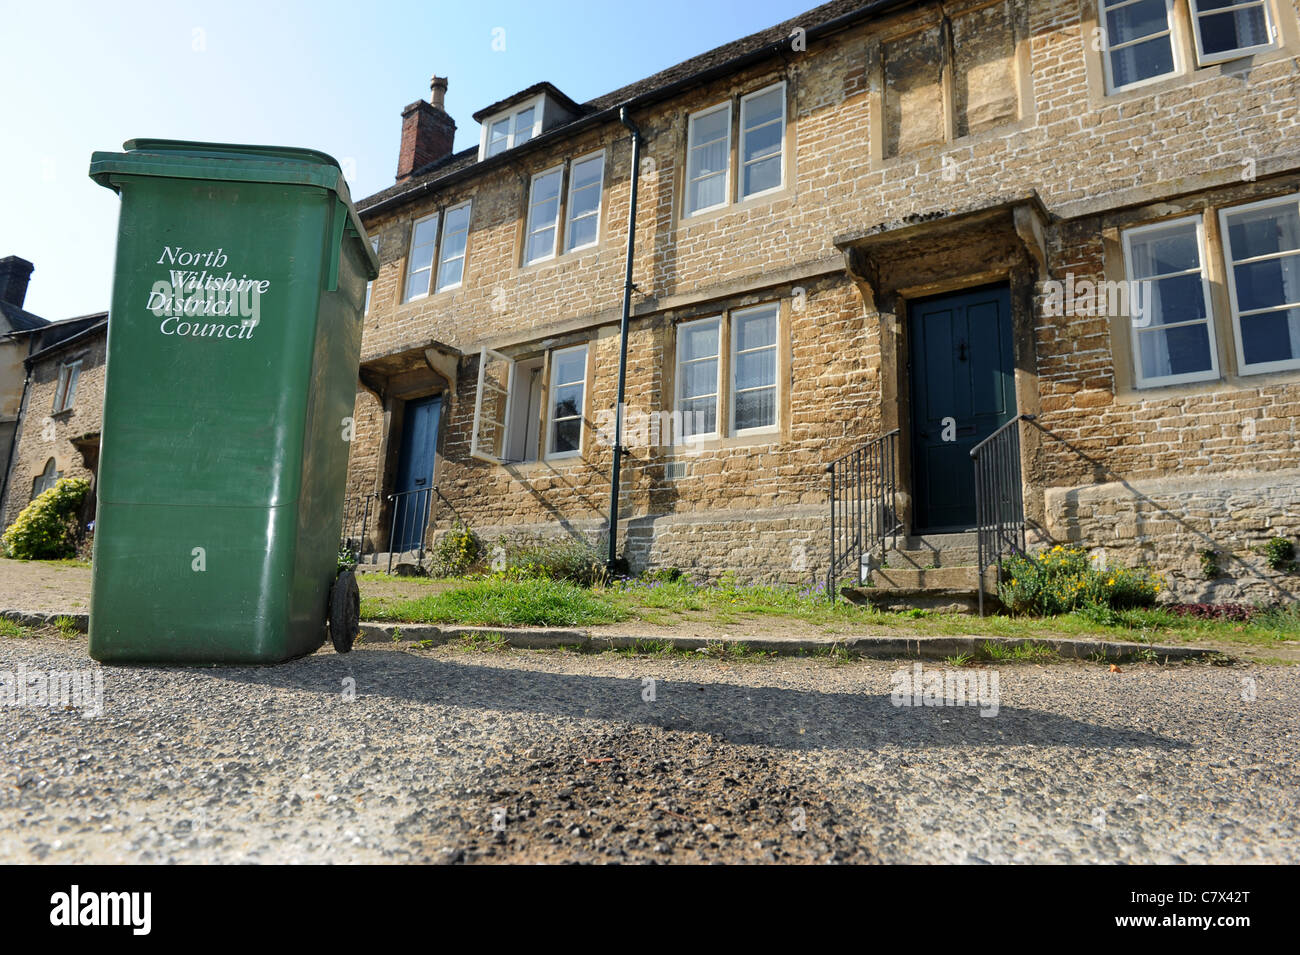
345	611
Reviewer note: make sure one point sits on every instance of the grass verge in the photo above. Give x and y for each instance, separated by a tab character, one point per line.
495	602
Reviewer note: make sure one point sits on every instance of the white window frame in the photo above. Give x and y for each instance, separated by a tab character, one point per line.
567	196
740	152
537	104
441	260
1259	368
65	388
1213	373
688	212
410	257
678	397
476	428
1270	28
559	202
549	392
1169	31
733	346
374	244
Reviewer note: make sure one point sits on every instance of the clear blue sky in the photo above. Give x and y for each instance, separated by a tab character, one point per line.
329	75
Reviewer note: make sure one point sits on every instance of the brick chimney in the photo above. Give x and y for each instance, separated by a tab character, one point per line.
427	131
14	274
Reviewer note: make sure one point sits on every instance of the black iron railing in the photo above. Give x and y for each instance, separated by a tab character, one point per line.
864	511
358	513
411	511
999	499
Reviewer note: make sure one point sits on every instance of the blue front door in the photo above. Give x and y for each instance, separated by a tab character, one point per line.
414	487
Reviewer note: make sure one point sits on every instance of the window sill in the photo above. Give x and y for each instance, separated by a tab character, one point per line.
744	205
1195	389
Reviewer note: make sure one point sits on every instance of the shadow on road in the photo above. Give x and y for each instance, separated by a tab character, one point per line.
788	718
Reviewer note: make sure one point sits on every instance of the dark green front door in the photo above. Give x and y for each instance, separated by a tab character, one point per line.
963	389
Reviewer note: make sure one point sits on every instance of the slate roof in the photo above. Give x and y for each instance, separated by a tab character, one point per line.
56	335
698	69
20	320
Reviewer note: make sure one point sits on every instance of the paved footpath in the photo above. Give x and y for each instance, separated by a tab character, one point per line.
396	754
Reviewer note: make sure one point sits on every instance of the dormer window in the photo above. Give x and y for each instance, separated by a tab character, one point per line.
512	128
527	114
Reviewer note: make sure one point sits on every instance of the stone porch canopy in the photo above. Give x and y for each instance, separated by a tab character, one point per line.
419	368
928	254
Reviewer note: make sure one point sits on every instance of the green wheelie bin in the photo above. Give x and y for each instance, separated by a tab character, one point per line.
234	335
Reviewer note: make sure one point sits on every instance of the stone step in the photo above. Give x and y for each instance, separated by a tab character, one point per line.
936	599
924	578
924	551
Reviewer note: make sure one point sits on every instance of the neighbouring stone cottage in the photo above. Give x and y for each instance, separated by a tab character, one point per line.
52	376
896	225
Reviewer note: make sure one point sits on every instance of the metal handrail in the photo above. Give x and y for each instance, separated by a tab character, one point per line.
415	508
999	499
863	501
360	505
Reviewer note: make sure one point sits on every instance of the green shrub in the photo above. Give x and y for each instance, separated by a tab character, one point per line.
1209	563
1279	553
456	552
47	527
1064	579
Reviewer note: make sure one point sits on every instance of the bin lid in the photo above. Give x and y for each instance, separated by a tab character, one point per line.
231	162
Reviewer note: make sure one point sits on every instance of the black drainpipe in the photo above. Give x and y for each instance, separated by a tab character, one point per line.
612	561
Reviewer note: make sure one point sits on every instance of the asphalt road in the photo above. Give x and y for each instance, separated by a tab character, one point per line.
394	754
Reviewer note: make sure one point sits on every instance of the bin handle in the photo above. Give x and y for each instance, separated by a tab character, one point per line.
338	227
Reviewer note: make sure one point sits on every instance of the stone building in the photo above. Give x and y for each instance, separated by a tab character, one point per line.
61	401
903	226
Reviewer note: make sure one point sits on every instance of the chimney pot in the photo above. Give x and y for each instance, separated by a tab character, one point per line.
438	91
15	272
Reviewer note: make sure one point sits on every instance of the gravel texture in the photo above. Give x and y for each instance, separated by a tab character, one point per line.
407	755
